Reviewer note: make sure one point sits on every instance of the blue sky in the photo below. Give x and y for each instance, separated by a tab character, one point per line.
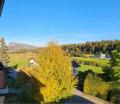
66	21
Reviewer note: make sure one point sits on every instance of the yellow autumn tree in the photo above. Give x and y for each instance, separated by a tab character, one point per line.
53	76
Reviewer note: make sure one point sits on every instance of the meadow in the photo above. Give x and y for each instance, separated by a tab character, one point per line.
94	69
96	60
22	60
93	64
19	60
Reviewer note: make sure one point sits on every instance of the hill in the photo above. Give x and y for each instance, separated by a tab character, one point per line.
14	47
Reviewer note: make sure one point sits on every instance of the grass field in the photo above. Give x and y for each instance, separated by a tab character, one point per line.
91	66
99	61
84	68
21	60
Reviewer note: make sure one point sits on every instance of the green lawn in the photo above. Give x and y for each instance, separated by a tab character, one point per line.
84	68
22	61
99	61
19	59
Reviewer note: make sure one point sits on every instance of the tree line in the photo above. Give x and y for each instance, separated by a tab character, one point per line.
96	47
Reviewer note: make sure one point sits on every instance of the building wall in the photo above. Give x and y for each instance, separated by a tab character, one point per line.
2	79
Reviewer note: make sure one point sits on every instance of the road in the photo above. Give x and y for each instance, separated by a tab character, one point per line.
77	99
81	98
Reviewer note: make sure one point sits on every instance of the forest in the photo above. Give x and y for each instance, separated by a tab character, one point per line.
96	47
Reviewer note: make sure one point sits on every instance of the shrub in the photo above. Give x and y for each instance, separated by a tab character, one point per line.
95	86
114	95
108	74
92	63
115	64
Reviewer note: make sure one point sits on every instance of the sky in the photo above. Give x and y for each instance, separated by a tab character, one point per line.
36	22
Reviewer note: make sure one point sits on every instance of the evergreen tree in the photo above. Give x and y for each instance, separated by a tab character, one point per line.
4	57
103	46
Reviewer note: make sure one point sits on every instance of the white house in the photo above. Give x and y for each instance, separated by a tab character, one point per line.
32	62
105	56
102	56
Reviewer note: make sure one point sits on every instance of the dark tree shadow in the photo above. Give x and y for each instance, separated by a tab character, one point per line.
2	67
30	86
108	74
76	100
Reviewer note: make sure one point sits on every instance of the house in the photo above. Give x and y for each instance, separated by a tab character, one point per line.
105	56
32	62
1	6
102	56
75	66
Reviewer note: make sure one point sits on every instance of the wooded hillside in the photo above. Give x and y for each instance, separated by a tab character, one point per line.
91	47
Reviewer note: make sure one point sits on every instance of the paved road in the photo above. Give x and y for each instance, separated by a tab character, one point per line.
77	99
80	98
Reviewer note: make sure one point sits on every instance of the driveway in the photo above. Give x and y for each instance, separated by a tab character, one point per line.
81	98
77	100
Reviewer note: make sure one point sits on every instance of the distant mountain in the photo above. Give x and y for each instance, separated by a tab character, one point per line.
13	47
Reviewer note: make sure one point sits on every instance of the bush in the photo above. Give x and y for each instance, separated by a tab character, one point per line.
92	63
114	95
107	76
95	86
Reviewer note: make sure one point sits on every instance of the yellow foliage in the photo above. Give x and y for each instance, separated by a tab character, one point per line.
54	74
95	86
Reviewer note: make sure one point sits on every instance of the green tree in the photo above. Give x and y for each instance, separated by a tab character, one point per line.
115	64
4	57
92	47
